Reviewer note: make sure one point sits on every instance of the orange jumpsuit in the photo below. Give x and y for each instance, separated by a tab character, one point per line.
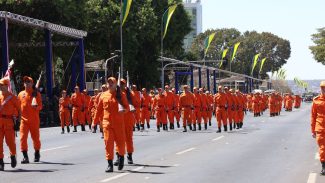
185	105
96	105
78	104
236	109
210	107
197	109
272	105
230	107
113	122
129	121
160	105
289	102
204	111
170	104
30	121
240	107
86	112
145	108
64	111
176	111
152	111
250	102
92	108
136	101
297	101
256	104
318	124
220	102
10	109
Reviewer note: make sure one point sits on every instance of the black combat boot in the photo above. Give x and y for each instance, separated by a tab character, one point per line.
148	125
138	126
199	125
2	165
120	162
142	127
110	166
190	126
158	128
25	159
235	125
238	125
68	129
219	130
241	124
116	162
74	129
171	126
130	160
194	127
95	129
323	169
13	161
230	127
37	156
89	125
178	125
83	128
209	122
185	130
205	126
62	132
225	128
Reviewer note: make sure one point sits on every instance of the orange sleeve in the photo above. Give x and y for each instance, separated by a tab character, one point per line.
313	117
99	111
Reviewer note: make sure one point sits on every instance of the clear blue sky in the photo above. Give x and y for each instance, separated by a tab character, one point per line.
294	20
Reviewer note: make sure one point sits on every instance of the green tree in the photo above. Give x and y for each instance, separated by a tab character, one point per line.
318	50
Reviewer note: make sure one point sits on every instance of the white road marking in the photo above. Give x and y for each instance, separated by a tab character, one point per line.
185	151
55	148
146	178
121	175
317	156
312	178
218	138
176	165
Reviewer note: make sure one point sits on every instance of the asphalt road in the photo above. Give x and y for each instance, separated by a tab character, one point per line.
278	149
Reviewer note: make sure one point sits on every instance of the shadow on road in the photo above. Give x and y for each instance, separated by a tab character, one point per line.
27	171
151	166
53	163
153	173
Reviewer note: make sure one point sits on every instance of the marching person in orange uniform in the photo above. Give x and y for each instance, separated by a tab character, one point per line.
86	112
298	100
129	121
176	111
78	107
160	106
272	105
230	108
196	118
318	123
92	105
264	102
235	113
289	102
186	105
136	101
240	109
30	121
285	100
250	102
152	111
210	106
10	112
104	89
112	121
278	103
204	109
256	104
145	108
64	105
170	102
220	103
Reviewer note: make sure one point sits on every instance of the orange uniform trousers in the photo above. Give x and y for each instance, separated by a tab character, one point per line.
137	115
33	128
320	138
86	115
171	115
230	115
7	132
145	115
114	133
128	125
221	115
204	115
186	116
161	116
177	115
77	116
65	118
196	115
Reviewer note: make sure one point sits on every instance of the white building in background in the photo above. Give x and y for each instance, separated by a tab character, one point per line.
194	9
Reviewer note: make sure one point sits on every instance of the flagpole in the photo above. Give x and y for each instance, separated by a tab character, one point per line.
162	48
121	35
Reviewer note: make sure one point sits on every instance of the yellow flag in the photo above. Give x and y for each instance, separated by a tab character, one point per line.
224	53
255	62
207	42
235	51
262	64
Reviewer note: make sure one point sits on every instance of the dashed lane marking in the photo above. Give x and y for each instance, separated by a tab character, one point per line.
218	138
185	151
55	148
121	175
312	178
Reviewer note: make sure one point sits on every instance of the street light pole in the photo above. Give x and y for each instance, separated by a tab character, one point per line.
121	35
